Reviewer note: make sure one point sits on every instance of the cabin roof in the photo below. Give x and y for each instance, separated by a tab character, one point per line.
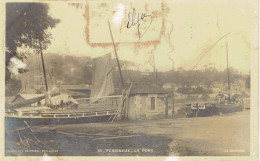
26	96
146	88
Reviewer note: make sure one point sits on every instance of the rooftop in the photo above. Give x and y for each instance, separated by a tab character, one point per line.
146	88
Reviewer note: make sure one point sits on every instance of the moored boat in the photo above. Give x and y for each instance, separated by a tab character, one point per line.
56	108
224	102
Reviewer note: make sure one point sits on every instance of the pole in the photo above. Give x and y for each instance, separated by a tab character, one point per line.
173	103
166	106
155	71
228	76
118	64
156	78
43	68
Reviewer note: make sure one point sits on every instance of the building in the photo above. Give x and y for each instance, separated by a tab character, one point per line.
146	101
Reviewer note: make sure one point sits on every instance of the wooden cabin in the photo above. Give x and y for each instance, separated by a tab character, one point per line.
146	101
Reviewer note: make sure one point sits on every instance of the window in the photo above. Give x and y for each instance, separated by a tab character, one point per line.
152	100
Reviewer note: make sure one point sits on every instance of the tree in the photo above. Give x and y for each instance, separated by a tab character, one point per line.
27	26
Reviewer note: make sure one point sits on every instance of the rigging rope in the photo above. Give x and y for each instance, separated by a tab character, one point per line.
210	49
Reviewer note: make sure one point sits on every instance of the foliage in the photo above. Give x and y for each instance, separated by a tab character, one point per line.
27	26
196	90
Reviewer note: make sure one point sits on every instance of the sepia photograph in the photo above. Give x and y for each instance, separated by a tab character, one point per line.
130	78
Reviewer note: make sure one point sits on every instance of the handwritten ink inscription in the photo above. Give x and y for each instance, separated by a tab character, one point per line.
136	19
131	22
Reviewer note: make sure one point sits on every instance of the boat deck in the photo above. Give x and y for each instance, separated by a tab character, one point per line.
81	111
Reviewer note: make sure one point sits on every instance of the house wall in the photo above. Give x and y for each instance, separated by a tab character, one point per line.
139	107
131	108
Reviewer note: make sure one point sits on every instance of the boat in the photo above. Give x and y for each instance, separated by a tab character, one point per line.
225	102
202	110
60	108
228	104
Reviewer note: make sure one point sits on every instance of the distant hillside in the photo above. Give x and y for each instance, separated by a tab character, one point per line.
60	70
71	70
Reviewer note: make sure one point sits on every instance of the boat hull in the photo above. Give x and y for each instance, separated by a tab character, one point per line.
216	110
208	111
14	121
230	109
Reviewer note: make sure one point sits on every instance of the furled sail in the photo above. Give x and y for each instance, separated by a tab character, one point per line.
102	82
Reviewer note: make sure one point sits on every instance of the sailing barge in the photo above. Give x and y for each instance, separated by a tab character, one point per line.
68	114
56	108
60	108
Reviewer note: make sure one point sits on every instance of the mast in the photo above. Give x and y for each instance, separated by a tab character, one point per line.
117	60
43	68
155	72
228	76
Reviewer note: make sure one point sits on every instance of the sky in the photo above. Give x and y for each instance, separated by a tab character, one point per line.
191	28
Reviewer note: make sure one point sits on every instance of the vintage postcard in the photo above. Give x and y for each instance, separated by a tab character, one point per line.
162	80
